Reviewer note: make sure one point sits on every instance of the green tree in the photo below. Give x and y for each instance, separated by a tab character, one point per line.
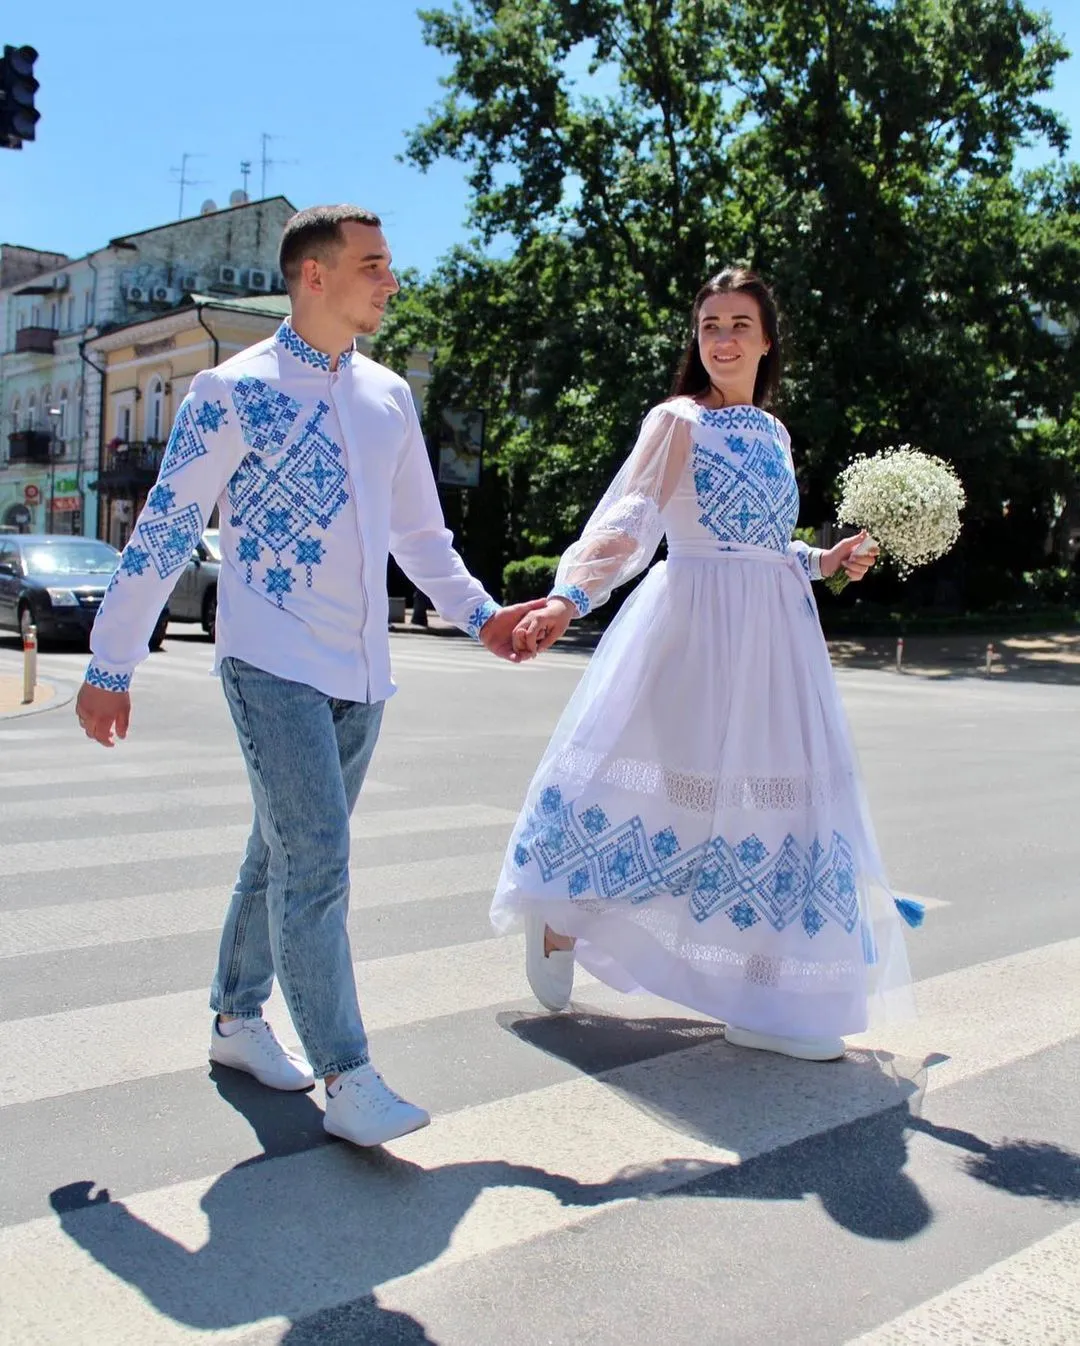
862	154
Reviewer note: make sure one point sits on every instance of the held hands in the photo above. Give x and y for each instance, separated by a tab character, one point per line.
100	713
542	627
498	633
842	556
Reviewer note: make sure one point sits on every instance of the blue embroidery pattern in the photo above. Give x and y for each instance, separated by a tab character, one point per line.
745	881
575	594
161	499
185	443
212	416
308	355
480	615
746	491
134	560
171	540
279	499
109	682
266	416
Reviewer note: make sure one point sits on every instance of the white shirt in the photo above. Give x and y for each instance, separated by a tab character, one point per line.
318	476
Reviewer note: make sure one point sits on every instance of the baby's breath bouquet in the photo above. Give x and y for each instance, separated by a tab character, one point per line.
908	501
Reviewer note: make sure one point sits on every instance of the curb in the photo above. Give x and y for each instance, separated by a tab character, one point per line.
65	694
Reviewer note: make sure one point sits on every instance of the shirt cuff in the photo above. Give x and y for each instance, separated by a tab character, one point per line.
573	593
108	679
810	560
479	617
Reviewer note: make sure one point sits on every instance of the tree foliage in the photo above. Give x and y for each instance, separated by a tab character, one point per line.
862	154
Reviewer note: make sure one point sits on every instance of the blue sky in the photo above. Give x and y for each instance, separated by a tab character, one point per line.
128	88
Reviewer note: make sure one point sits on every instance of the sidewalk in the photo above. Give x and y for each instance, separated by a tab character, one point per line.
11	696
1052	656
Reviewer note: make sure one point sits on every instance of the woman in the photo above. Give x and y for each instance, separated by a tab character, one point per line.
696	827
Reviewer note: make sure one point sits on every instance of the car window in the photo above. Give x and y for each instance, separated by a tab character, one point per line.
211	540
81	557
7	554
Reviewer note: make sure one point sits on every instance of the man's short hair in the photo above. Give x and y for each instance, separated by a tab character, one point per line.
316	232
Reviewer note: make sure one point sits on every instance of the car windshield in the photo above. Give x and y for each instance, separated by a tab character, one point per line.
212	542
71	558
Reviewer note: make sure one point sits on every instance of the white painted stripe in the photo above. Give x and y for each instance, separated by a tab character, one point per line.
489	1177
1029	1299
99	1048
186	911
237	791
34	857
116	766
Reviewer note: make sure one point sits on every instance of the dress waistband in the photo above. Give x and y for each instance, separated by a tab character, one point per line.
718	551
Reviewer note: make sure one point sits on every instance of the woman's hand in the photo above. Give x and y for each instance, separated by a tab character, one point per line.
540	629
843	556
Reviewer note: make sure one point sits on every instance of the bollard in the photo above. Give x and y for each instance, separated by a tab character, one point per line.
989	659
899	654
29	665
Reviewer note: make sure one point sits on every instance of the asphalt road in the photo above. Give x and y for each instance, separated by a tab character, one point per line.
617	1174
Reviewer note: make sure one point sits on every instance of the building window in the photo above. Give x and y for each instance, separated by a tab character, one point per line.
70	313
14	415
62	428
54	316
35	315
155	408
123	424
88	308
31	412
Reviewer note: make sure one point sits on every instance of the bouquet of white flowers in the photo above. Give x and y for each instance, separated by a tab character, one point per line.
908	501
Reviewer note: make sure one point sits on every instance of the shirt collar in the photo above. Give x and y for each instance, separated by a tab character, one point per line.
308	355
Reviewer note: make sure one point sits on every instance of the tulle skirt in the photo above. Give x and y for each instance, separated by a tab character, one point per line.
697	821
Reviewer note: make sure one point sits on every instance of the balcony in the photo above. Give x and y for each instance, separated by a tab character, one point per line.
35	340
29	446
126	467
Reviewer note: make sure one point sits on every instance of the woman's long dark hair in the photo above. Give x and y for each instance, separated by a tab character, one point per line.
692	378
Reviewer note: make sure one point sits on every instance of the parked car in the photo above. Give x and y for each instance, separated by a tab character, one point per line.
56	583
195	597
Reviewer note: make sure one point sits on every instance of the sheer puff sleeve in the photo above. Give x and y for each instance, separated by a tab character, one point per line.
625	529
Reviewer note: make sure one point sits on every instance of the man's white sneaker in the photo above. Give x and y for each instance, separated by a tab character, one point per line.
803	1049
363	1109
551	975
254	1048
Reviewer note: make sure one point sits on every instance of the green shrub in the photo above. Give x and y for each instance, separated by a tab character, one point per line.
531	578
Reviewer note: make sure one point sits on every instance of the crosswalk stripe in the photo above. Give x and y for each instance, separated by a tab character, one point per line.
1033	1296
160	801
566	1153
118	766
32	857
186	911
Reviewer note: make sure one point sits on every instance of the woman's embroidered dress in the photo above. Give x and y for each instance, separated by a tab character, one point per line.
697	821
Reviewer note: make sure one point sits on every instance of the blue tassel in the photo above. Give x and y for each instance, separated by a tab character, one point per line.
912	912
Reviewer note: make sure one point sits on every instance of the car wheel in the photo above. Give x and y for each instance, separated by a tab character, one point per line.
157	639
209	615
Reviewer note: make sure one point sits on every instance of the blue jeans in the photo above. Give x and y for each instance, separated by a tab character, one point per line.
306	755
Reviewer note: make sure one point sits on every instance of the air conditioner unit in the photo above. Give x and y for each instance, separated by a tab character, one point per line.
136	294
188	283
163	294
229	275
62	281
260	280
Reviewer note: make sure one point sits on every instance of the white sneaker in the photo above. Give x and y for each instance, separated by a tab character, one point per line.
365	1110
551	976
804	1049
254	1048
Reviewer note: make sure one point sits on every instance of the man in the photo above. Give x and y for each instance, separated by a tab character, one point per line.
315	458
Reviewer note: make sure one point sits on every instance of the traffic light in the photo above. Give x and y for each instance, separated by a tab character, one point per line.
18	116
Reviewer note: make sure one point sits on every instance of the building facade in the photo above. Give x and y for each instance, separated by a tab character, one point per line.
53	404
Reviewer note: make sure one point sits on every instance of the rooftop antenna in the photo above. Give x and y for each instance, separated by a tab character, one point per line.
184	180
245	173
267	162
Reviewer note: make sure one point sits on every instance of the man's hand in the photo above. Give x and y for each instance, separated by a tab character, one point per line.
540	629
497	632
100	712
843	555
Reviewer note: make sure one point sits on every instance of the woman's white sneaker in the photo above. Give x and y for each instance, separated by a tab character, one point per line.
362	1108
803	1049
252	1047
551	975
